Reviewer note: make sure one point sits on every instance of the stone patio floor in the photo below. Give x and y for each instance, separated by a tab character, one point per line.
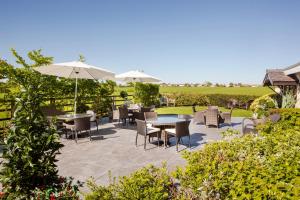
115	151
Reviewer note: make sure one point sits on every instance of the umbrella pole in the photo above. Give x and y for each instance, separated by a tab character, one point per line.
75	99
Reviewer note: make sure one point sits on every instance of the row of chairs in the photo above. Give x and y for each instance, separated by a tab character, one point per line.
123	114
213	117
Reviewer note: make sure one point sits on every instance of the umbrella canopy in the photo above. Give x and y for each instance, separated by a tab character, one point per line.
136	76
76	70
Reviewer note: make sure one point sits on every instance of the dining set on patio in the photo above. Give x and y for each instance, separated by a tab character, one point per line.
145	120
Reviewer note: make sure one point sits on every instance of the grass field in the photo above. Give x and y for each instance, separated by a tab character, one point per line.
188	110
258	91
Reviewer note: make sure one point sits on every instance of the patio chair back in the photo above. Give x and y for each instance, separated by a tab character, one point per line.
82	124
199	117
123	112
149	116
182	128
185	117
145	109
212	107
211	117
93	115
138	115
141	127
50	111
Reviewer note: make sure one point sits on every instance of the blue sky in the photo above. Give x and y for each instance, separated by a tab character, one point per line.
175	40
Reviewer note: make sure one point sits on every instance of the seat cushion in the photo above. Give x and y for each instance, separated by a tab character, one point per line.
153	130
171	131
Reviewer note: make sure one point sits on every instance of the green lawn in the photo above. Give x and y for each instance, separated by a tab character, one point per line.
258	91
188	110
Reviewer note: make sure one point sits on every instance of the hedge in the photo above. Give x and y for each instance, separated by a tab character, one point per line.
184	99
248	167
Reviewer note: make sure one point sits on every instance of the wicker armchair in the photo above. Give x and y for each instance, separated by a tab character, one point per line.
143	130
150	116
80	124
145	109
199	117
212	117
94	118
123	114
251	128
181	130
225	117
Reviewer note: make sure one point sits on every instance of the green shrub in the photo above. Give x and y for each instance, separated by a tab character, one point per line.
250	167
147	93
123	94
185	99
288	100
147	183
32	143
261	105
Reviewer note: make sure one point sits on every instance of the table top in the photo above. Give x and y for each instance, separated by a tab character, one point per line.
165	120
72	116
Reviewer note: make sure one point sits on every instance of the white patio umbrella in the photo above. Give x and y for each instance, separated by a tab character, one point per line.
136	76
76	70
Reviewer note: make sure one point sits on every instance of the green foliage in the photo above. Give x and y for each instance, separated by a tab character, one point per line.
31	144
261	105
288	100
185	99
147	93
230	132
147	183
67	190
103	101
250	167
123	94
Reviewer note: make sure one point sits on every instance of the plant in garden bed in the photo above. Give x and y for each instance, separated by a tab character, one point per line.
67	190
147	183
261	105
32	143
250	167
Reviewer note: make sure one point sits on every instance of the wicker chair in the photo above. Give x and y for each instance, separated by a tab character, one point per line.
138	115
80	124
225	117
199	117
94	118
123	114
212	117
185	117
145	109
181	130
115	114
212	107
50	112
143	130
251	128
149	116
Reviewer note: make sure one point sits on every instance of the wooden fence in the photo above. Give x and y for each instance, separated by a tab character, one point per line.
7	106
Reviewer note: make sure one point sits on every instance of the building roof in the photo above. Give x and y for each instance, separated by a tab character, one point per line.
293	69
277	77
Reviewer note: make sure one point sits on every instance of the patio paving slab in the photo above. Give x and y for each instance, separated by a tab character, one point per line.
116	151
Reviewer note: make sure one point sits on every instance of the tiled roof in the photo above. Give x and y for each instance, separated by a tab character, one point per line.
277	77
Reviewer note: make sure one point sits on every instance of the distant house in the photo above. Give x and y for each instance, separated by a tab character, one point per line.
286	79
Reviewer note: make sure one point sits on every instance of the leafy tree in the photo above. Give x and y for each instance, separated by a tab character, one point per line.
147	93
31	144
102	103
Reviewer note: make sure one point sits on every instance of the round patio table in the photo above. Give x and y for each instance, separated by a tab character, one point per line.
70	117
163	122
